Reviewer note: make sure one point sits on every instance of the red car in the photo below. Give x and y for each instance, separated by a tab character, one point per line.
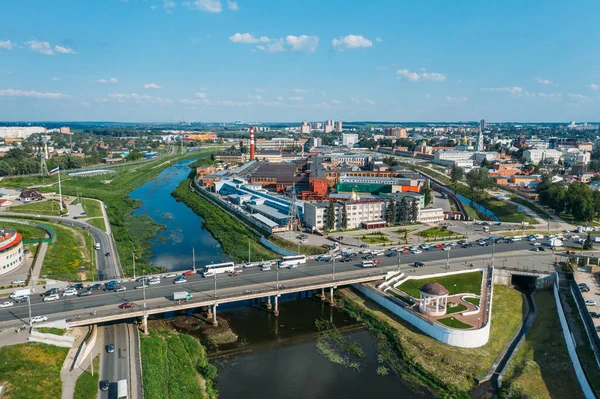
570	252
127	305
439	246
405	250
377	261
188	272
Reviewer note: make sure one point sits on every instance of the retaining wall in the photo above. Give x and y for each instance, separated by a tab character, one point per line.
51	339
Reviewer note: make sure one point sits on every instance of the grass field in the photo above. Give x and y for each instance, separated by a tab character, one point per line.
455	284
86	386
51	330
374	238
436	232
473	301
541	367
457	367
47	208
69	255
98	222
31	370
292	246
454	323
92	207
175	366
455	307
28	232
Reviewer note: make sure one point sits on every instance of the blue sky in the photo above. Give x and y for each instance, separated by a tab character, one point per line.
269	60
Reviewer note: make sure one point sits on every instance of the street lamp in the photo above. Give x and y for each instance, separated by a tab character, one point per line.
448	259
399	253
215	278
493	247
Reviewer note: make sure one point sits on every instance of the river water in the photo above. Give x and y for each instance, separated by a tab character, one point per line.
277	357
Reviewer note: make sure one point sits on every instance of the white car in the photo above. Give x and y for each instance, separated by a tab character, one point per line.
6	304
171	275
52	297
180	280
590	302
139	287
246	265
121	288
38	319
575	237
70	292
17	282
448	248
417	251
154	281
537	244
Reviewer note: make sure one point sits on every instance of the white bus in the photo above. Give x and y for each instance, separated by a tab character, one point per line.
211	270
292	260
122	391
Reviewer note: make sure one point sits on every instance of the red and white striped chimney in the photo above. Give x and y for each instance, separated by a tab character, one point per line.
252	143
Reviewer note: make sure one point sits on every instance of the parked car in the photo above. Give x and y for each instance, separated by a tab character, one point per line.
50	292
595	314
570	252
154	281
180	280
121	288
142	279
419	264
417	251
69	292
50	298
590	302
38	319
77	286
171	275
95	287
18	282
85	293
188	273
21	298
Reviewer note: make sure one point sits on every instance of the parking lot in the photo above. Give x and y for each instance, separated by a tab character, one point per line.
593	294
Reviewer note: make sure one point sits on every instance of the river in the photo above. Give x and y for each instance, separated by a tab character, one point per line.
277	357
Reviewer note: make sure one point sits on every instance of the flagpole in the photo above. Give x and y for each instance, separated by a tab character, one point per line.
60	191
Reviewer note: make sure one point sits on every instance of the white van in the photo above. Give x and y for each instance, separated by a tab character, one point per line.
265	266
368	263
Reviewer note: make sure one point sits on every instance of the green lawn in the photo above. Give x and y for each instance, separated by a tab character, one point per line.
51	330
87	384
473	301
455	307
47	208
541	367
92	207
455	284
293	246
175	366
28	232
529	205
69	255
374	238
31	370
454	323
97	222
436	232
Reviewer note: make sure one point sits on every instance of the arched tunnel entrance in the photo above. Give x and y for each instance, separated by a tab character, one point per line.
524	283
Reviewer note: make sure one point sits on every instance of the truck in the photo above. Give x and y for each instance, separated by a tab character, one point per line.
555	242
21	292
122	391
182	295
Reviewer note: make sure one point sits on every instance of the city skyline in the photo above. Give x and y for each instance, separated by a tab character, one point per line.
212	60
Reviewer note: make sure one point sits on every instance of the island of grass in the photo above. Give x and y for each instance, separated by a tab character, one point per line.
46	208
454	323
91	207
473	301
31	370
462	283
541	367
175	366
374	238
98	223
425	360
28	232
86	386
69	257
436	232
455	307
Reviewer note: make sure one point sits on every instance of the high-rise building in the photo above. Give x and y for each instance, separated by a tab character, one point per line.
305	128
479	146
482	125
396	132
328	128
338	126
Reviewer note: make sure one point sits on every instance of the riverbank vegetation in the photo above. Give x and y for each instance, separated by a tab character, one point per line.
337	347
28	232
232	234
175	366
449	372
462	283
69	257
86	386
541	367
31	370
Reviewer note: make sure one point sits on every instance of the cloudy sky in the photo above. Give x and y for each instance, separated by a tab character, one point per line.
268	60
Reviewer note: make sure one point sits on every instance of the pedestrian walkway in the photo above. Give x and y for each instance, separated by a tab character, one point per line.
68	377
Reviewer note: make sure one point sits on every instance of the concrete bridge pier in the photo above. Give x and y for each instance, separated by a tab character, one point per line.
276	310
214	316
331	299
269	306
322	294
145	324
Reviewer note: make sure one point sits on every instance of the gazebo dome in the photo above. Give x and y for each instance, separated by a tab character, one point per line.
434	289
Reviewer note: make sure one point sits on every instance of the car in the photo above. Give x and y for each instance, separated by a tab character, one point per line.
295	266
52	297
50	292
582	285
249	264
107	254
18	282
95	287
570	252
419	264
368	257
537	244
541	248
180	280
21	298
188	273
417	251
534	249
439	246
6	304
120	288
234	274
482	243
104	385
170	275
405	250
139	287
468	245
303	241
77	286
364	251
154	281
595	314
584	289
392	254
38	319
453	244
364	246
590	302
127	305
84	293
110	348
69	292
448	248
142	279
343	260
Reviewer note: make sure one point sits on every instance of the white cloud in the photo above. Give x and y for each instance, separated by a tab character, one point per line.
187	101
579	98
296	98
40	47
7	45
105	81
456	99
168	4
405	73
203	89
415	76
55	79
378	39
514	90
354	101
350	42
323	93
593	86
205	5
428	96
370	102
550	96
64	50
201	95
153	7
303	43
233	5
279	98
323	105
543	81
272	103
298	91
260	90
152	86
256	97
336	102
247	38
275	47
31	94
123	97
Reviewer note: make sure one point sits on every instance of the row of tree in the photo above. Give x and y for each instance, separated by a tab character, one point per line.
577	199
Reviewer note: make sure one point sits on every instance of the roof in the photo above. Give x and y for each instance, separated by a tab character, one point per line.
435	289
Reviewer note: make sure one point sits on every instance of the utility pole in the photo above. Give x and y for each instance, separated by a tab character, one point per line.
215	276
133	256
448	260
493	247
248	250
194	260
399	252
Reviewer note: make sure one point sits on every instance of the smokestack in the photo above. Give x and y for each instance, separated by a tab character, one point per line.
252	143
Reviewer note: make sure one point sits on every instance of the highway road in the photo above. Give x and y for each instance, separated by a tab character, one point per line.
115	366
201	288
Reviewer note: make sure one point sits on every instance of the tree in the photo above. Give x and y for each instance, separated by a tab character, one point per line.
456	175
5	169
580	202
330	216
426	191
414	211
390	213
485	163
403	210
478	181
344	218
587	244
